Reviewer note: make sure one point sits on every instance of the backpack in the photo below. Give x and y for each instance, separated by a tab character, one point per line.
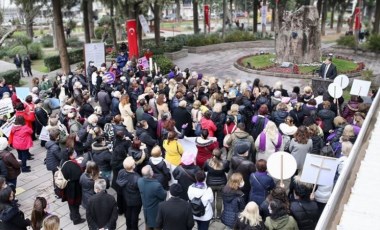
197	206
59	180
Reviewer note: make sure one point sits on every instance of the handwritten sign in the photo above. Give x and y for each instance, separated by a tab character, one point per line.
44	135
7	127
6	106
144	62
94	52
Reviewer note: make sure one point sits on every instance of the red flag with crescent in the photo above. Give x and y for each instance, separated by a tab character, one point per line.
132	38
357	22
207	15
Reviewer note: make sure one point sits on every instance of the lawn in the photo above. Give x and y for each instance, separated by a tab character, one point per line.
259	61
39	65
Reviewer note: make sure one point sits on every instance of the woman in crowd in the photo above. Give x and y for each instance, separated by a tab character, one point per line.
207	123
102	157
249	218
200	190
279	218
196	115
261	183
13	167
233	200
278	193
39	213
300	145
268	142
173	150
216	169
87	180
205	146
126	112
317	140
51	223
162	106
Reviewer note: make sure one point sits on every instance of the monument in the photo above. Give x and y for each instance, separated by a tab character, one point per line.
299	37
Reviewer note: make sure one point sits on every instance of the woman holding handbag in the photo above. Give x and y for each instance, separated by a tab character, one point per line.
261	183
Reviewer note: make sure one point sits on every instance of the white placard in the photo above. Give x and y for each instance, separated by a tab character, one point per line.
6	106
95	52
342	80
44	135
188	144
288	165
144	23
360	88
319	169
22	93
335	90
7	127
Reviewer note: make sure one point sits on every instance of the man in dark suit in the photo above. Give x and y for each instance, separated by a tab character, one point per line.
175	213
328	70
152	121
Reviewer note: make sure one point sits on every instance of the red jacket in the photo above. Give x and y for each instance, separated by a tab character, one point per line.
29	117
209	125
205	148
21	137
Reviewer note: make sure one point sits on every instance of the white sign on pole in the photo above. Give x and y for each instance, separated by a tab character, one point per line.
22	92
281	165
264	15
7	127
319	169
342	80
360	88
95	52
6	106
335	90
144	23
44	135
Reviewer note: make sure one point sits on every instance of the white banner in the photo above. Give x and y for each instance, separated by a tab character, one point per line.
44	135
264	15
144	23
7	127
6	106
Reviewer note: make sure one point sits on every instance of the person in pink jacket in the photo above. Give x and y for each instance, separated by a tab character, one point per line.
21	140
207	123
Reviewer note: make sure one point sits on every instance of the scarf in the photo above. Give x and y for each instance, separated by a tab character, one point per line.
263	138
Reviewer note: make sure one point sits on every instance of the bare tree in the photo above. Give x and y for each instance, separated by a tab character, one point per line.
29	9
195	17
376	24
86	24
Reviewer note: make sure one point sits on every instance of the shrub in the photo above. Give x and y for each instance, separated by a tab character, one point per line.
74	42
11	77
3	52
35	51
374	43
348	41
164	63
99	32
105	20
21	50
47	41
172	47
53	62
238	36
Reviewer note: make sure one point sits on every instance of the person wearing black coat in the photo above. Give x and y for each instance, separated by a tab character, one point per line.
28	66
86	108
104	100
185	174
42	117
182	117
53	153
142	132
101	212
175	213
159	167
152	122
72	193
102	156
11	217
327	117
127	180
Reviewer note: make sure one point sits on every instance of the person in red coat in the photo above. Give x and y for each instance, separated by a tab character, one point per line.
207	123
205	147
28	115
21	139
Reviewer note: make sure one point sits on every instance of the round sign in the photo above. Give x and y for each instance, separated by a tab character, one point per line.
281	161
335	90
342	80
109	77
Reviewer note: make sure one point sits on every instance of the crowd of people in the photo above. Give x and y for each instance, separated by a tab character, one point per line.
124	133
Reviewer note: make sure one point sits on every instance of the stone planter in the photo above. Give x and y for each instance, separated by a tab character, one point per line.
231	45
177	55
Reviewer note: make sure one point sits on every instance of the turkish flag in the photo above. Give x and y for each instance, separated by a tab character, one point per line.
207	15
132	38
357	22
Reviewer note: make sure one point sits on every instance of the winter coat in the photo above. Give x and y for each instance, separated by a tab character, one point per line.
239	136
182	117
233	203
53	155
261	185
305	213
72	172
209	125
102	157
200	190
146	137
102	211
216	177
299	151
185	179
175	214
245	167
21	137
298	116
244	225
12	165
115	106
29	117
129	188
87	184
317	144
205	148
119	153
279	116
152	123
104	100
3	169
152	193
127	114
174	151
160	171
271	146
86	110
285	222
327	116
349	110
12	218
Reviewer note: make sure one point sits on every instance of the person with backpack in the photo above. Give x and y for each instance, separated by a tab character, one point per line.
201	197
233	200
237	137
159	167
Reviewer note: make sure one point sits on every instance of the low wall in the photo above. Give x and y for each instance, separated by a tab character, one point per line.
231	45
341	50
177	55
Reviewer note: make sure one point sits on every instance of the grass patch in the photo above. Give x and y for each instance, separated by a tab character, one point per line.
23	82
50	52
344	65
307	69
39	66
259	61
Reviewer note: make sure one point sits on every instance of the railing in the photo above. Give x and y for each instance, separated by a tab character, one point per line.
334	208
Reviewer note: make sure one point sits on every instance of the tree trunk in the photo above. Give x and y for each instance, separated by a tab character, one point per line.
332	15
324	17
339	24
113	29
230	25
90	9
29	19
195	17
376	24
224	18
281	10
273	21
157	13
87	38
319	7
60	36
177	9
263	26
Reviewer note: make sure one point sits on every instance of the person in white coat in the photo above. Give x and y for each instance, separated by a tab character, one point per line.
200	190
126	113
268	142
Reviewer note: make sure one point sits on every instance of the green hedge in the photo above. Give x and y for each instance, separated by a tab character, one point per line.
239	36
35	51
348	41
74	42
53	62
164	63
12	77
47	41
373	43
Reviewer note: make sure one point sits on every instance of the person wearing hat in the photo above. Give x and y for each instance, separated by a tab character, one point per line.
12	166
241	164
175	213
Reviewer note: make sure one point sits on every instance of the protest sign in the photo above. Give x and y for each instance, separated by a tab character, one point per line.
22	92
144	62
94	52
44	135
319	169
7	127
6	106
360	88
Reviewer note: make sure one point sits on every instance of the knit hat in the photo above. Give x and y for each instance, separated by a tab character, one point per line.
187	158
3	143
176	190
241	148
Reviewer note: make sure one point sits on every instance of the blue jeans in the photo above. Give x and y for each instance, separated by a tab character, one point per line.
203	225
23	156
